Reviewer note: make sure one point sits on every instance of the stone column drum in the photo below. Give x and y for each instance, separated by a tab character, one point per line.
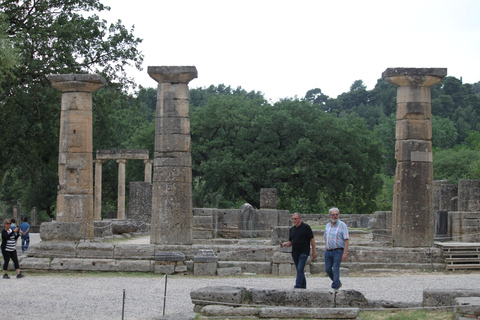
172	212
413	221
98	190
75	158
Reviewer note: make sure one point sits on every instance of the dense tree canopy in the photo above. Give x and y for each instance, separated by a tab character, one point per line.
317	151
52	37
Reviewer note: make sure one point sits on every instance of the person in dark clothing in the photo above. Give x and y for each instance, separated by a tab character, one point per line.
301	236
9	238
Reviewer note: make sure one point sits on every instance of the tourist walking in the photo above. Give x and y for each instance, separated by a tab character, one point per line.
336	246
301	236
25	233
9	238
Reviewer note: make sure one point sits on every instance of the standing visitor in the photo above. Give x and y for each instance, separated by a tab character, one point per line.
9	238
301	236
25	233
336	246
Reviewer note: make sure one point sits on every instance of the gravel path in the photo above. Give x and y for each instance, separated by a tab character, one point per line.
99	296
59	296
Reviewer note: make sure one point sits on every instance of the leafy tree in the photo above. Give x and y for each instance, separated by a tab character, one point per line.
316	96
242	145
53	37
8	54
455	164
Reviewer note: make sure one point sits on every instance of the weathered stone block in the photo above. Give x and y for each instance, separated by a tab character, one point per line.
52	249
468	307
350	298
413	129
232	296
92	250
279	235
414	110
172	159
169	256
441	298
173	142
205	268
226	311
300	298
164	269
413	150
268	198
173	125
226	272
309	313
66	231
35	264
134	251
248	266
412	223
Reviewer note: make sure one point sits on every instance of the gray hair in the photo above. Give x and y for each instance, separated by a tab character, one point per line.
297	214
333	208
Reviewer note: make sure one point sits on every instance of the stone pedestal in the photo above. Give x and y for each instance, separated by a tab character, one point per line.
268	198
205	263
172	212
413	223
75	160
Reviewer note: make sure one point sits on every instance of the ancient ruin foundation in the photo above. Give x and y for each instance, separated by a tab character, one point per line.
413	189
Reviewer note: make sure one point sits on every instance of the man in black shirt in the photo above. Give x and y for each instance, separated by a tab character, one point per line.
301	236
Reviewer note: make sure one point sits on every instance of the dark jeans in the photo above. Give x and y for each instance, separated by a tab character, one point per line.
7	255
332	266
25	243
300	263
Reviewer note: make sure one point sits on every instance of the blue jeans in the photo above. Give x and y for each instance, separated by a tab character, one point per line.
300	263
25	243
332	266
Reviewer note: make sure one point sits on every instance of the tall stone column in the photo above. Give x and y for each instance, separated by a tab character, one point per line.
412	221
33	218
75	158
98	190
172	216
121	189
148	170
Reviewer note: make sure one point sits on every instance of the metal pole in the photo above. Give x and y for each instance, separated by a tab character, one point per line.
123	305
165	294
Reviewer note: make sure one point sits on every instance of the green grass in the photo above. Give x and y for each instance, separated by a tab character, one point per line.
406	315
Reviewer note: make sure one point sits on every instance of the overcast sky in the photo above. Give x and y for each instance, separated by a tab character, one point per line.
285	48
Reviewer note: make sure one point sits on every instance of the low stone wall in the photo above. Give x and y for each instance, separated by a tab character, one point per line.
446	298
203	259
305	298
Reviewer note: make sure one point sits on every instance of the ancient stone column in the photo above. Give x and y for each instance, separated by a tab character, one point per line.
121	189
75	158
413	221
33	218
148	170
172	213
98	190
15	214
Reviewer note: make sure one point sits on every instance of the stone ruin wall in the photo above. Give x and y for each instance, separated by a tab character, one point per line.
457	210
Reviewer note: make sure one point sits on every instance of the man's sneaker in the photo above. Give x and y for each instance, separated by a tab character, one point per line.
20	275
5	276
340	285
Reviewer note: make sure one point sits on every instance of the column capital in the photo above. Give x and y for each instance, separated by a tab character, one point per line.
147	161
173	74
419	77
121	160
98	161
77	82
